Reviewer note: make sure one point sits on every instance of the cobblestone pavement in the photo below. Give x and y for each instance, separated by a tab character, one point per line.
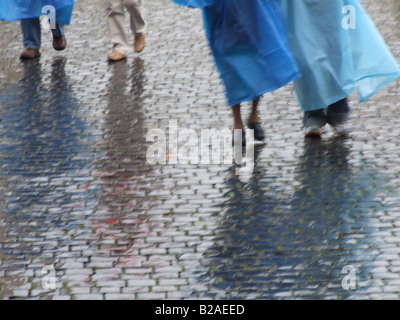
79	195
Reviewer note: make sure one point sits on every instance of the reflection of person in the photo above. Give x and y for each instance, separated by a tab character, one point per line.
242	248
249	45
335	51
116	23
29	12
323	173
125	99
44	139
41	116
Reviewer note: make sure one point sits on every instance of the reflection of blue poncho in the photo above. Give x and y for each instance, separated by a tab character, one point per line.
248	41
334	58
14	10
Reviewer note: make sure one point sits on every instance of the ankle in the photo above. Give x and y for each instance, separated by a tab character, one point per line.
254	120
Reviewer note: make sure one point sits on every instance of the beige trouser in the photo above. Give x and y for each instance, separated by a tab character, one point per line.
115	10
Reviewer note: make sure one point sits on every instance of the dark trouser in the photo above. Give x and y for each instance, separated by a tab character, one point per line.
31	32
336	114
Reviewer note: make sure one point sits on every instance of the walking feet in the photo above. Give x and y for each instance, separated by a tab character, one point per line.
253	121
339	127
317	131
29	54
315	121
59	43
116	56
313	132
140	43
257	129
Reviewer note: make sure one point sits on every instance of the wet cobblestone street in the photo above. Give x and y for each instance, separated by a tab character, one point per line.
77	192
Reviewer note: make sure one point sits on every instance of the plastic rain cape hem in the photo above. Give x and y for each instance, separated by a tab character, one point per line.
14	10
249	45
336	61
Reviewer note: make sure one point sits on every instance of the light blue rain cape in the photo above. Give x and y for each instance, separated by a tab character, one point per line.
332	58
14	10
249	44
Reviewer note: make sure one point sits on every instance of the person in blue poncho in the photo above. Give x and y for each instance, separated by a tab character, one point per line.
250	48
337	48
28	12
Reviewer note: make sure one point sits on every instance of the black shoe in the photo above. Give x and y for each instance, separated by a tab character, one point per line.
258	130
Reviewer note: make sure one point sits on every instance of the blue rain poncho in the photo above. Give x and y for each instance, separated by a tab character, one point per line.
195	3
249	44
333	57
14	10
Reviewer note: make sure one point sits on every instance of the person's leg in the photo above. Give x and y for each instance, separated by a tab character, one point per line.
137	22
116	29
338	114
313	122
59	41
238	125
254	117
31	34
136	11
58	31
237	117
254	122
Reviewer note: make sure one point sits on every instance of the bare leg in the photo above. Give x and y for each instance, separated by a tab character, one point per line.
238	125
254	117
254	121
237	117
